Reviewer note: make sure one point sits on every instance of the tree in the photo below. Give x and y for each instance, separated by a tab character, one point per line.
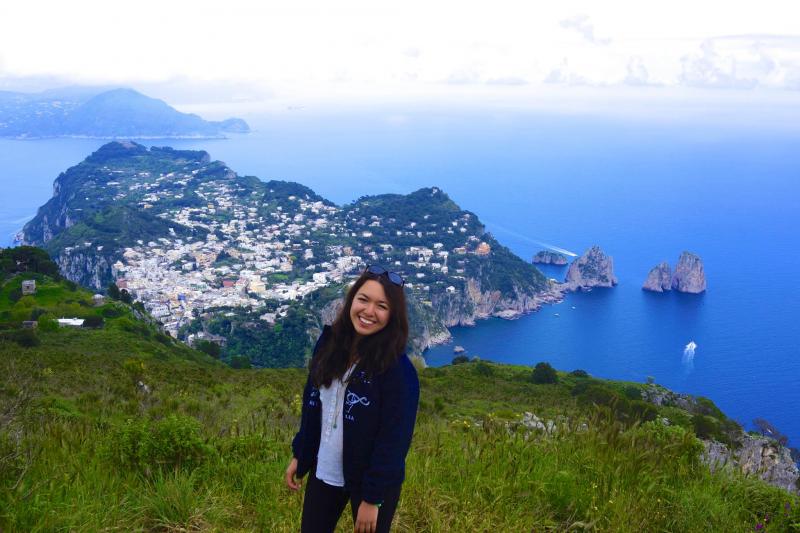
211	348
113	291
769	430
125	296
93	321
544	373
240	362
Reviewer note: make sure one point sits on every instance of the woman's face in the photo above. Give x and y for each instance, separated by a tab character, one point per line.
370	310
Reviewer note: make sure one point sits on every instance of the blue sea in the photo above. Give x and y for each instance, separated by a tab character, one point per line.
643	190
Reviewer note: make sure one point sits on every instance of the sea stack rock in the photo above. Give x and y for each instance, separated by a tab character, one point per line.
546	257
659	279
592	269
689	276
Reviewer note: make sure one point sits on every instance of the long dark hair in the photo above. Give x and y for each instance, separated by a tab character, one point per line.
376	352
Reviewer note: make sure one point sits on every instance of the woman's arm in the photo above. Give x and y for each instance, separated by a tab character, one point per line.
398	412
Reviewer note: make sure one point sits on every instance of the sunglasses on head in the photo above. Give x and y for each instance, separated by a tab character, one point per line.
394	277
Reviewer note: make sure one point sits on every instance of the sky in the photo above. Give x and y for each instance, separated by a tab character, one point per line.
299	51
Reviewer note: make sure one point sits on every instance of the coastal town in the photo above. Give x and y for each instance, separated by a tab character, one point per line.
263	247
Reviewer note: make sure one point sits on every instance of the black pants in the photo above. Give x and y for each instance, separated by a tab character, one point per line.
323	505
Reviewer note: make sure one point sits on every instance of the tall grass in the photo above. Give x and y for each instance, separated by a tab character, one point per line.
472	466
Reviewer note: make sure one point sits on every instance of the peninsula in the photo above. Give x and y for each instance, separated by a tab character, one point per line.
111	114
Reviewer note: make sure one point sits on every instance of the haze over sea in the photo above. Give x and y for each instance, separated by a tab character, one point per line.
643	190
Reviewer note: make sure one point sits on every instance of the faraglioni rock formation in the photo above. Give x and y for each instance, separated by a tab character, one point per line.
659	279
546	257
689	275
593	269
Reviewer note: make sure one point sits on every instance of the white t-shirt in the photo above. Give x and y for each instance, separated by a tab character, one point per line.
329	457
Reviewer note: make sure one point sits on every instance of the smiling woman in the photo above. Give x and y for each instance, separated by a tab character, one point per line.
359	409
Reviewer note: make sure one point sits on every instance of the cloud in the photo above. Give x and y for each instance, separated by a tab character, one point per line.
710	69
465	76
562	75
582	25
744	62
637	74
507	80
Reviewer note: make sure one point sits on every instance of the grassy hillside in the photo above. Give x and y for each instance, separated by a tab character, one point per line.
84	448
120	428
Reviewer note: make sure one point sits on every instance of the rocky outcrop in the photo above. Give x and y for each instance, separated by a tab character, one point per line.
754	455
689	275
474	303
546	257
593	269
659	279
86	268
761	457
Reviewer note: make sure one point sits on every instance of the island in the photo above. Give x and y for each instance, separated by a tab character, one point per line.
547	257
659	279
110	114
258	265
593	269
689	276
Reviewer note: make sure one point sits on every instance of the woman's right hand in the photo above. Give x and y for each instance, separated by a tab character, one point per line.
291	470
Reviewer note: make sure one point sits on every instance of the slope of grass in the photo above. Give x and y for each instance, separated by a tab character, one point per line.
82	447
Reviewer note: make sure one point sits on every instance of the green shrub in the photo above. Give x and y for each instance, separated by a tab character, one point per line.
36	312
438	404
15	295
171	443
459	359
599	395
674	441
26	338
111	311
240	362
544	373
482	368
705	426
578	373
211	348
632	392
93	321
642	411
47	323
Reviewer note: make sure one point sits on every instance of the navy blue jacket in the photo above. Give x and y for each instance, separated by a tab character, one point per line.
379	416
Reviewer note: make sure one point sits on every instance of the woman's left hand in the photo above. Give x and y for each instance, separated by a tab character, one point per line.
367	519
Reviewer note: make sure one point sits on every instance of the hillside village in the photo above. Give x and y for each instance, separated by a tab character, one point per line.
264	246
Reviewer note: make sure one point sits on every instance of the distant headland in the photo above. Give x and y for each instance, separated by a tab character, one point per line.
103	114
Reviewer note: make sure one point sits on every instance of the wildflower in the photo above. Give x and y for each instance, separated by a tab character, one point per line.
759	526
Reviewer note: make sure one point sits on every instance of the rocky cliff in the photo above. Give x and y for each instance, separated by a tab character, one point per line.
751	455
546	257
90	269
689	275
593	269
757	456
659	279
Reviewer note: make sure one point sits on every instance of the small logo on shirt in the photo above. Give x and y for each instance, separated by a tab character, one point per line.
353	399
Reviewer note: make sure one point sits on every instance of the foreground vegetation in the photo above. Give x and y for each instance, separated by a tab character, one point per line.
84	448
118	427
